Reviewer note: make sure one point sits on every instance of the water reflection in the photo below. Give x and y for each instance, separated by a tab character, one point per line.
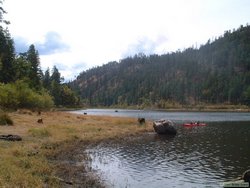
195	157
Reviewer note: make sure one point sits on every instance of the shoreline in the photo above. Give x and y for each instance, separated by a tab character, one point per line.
52	153
197	108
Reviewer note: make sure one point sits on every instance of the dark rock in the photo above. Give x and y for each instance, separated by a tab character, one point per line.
141	120
40	120
246	176
10	137
164	127
188	168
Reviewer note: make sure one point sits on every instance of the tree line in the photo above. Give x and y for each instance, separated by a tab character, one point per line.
22	82
217	72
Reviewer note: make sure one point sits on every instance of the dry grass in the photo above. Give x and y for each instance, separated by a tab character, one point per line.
25	163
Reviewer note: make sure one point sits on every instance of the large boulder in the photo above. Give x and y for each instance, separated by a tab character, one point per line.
246	176
164	127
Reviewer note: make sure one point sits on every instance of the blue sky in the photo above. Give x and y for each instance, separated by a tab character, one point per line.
80	34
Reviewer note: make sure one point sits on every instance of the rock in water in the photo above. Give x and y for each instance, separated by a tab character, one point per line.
246	176
164	127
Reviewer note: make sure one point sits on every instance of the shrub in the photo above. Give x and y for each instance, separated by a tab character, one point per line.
19	95
5	119
8	96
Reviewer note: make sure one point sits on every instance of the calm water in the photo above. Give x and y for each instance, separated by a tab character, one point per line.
174	116
196	157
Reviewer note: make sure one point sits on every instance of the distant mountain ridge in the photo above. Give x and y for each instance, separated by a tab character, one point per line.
218	72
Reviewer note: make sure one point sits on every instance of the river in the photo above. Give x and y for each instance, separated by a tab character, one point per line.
202	156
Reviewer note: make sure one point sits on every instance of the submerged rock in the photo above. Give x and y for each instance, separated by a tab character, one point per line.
164	127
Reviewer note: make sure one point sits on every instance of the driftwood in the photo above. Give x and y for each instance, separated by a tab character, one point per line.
10	137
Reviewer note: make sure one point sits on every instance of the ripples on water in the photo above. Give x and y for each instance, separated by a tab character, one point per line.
196	157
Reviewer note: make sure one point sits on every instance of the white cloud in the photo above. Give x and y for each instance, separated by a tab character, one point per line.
147	46
68	63
51	44
96	32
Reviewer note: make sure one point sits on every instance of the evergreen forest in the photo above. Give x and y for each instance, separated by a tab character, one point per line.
22	82
217	72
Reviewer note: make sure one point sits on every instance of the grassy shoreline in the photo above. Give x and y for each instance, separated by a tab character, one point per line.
52	154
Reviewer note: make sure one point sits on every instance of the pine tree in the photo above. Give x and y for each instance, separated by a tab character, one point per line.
23	68
56	75
35	73
7	56
2	11
55	86
55	91
47	79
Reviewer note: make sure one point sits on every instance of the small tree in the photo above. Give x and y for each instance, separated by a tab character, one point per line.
56	92
68	96
56	75
47	79
23	68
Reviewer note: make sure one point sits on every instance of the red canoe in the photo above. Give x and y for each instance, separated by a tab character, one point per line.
194	124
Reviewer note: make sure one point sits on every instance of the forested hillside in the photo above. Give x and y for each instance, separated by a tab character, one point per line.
216	73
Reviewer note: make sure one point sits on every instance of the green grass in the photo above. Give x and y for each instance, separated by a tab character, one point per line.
39	132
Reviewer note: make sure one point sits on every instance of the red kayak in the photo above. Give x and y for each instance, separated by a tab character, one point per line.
194	124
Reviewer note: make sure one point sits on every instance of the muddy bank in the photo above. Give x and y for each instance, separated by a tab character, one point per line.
71	164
